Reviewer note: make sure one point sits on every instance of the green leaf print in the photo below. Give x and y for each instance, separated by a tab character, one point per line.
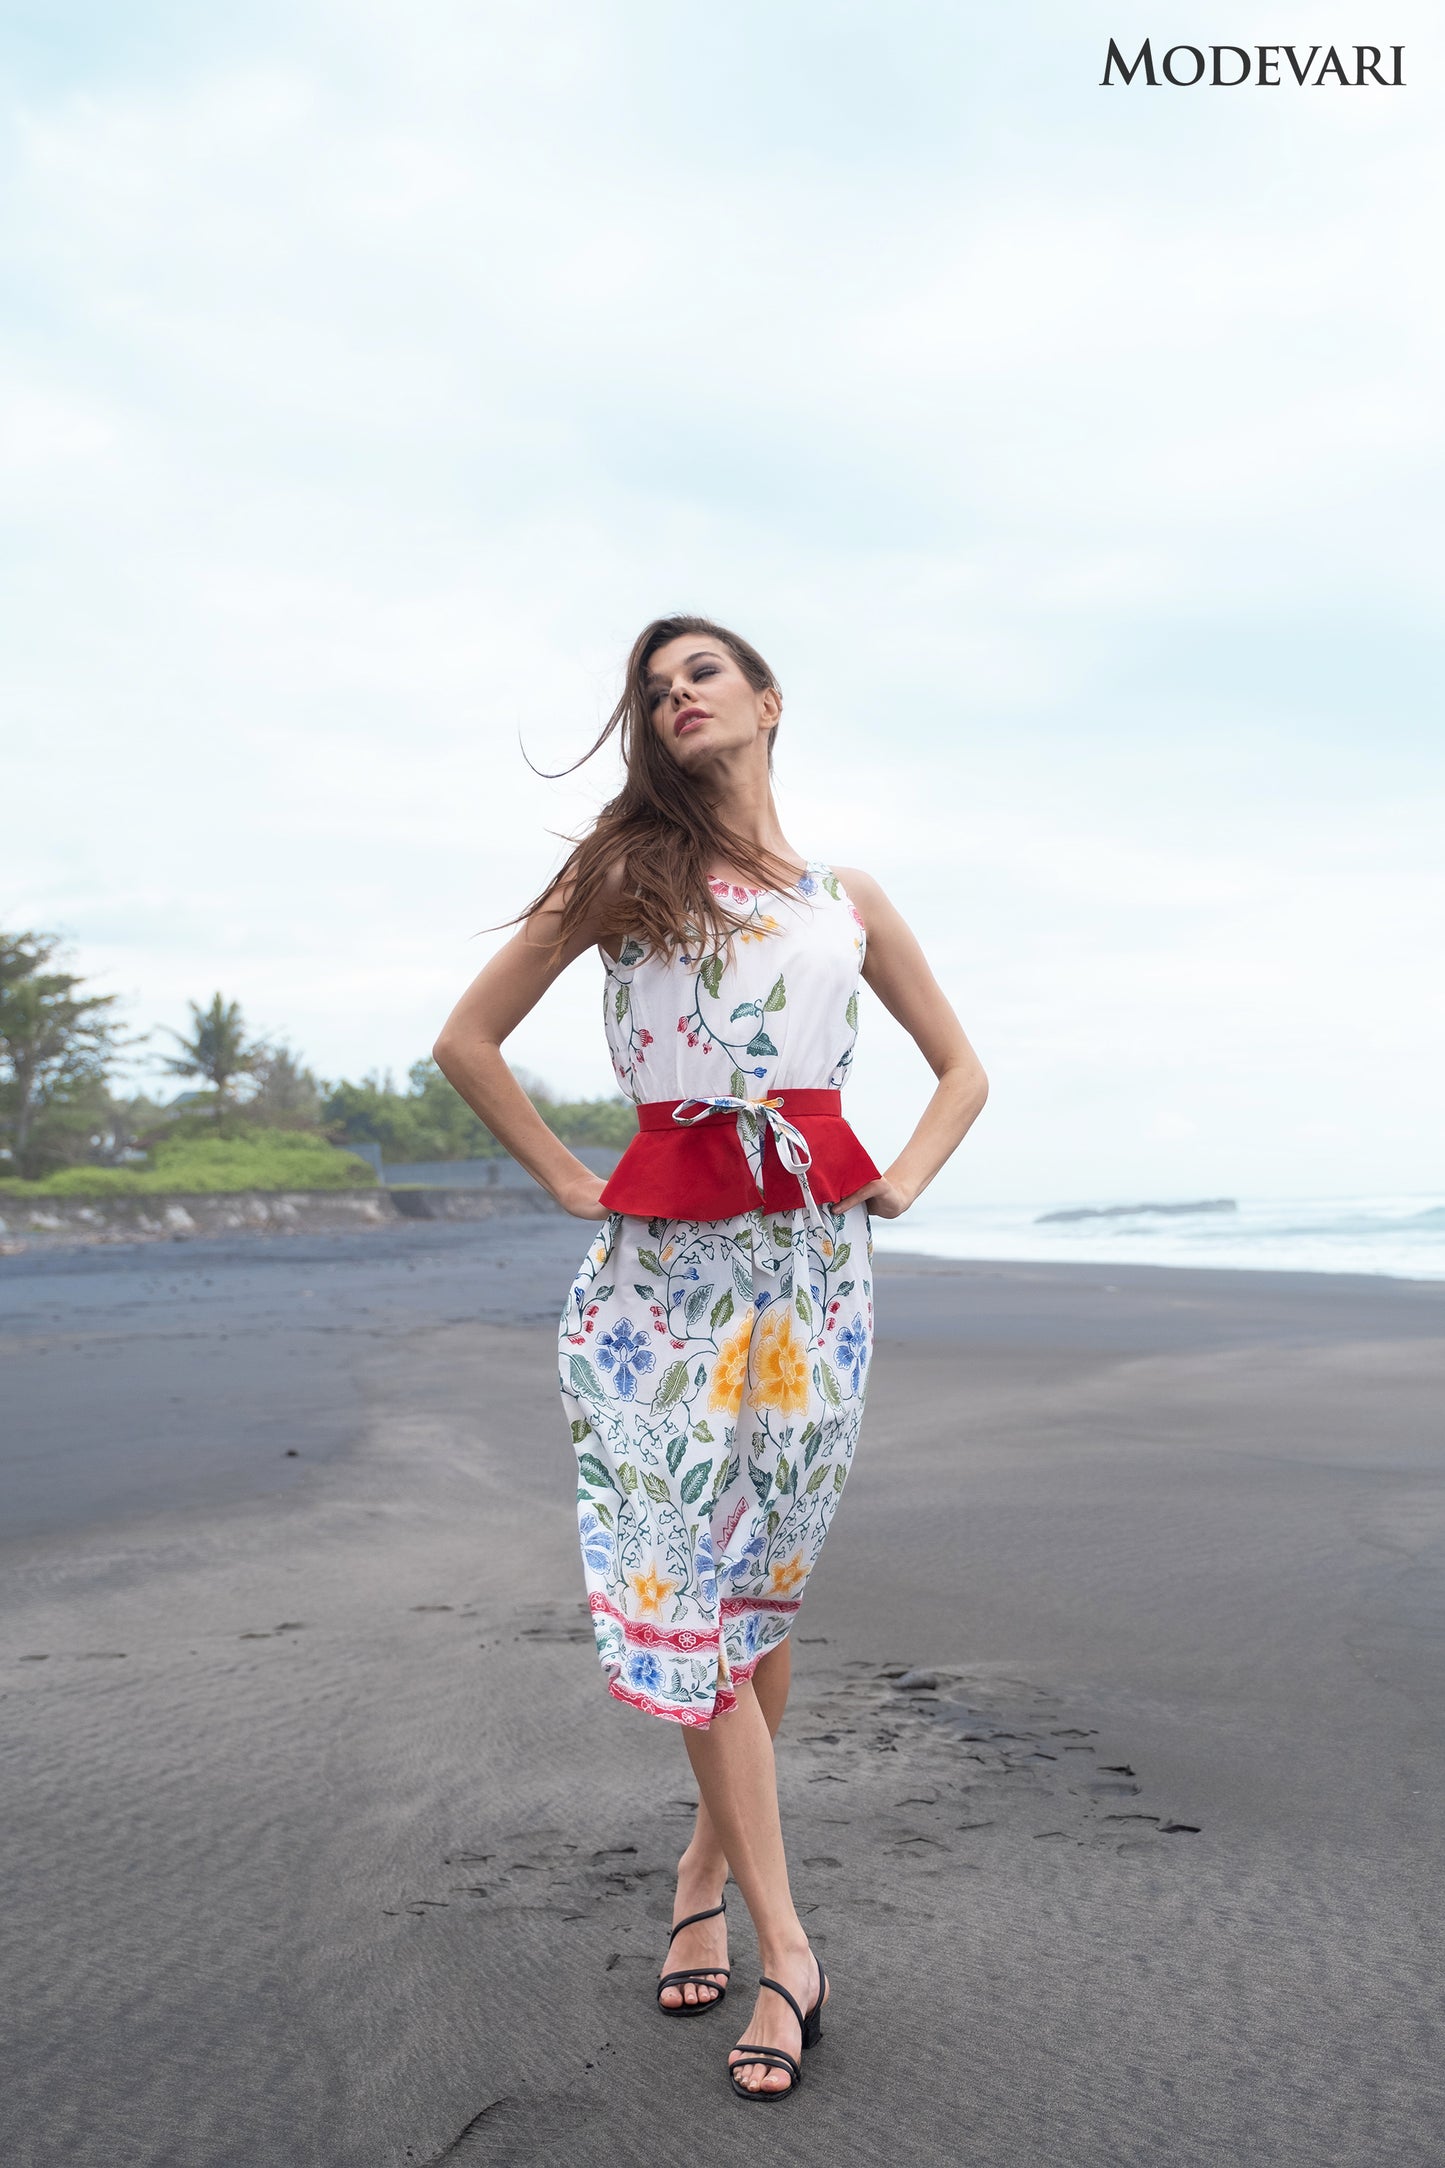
830	1386
738	1088
773	1520
784	1472
803	1306
780	1234
722	1477
761	1044
846	1288
701	1378
676	1448
742	1283
761	1481
584	1378
840	1257
744	1008
811	1448
649	1261
595	1471
672	1388
580	1428
694	1483
777	997
711	974
654	1228
697	1302
702	1434
639	1287
839	1473
722	1310
851	1012
632	952
620	1005
627	1475
655	1486
817	1479
603	1512
830	882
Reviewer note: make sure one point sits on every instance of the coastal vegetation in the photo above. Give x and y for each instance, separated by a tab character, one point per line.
256	1118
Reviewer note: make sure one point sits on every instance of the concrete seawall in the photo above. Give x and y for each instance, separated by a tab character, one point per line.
56	1221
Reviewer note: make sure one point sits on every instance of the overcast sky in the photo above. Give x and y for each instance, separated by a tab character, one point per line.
373	371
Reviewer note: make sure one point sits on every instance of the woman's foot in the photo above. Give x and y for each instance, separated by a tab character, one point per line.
700	1948
773	2024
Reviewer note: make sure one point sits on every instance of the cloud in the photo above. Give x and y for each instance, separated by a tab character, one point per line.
374	373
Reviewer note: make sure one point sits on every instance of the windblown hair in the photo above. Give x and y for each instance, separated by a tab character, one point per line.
661	828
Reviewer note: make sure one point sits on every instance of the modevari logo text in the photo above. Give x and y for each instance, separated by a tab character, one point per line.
1230	65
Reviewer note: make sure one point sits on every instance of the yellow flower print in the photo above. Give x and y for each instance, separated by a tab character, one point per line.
782	1363
787	1578
651	1590
762	929
730	1372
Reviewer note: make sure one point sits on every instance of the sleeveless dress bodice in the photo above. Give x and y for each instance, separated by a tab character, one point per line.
778	1011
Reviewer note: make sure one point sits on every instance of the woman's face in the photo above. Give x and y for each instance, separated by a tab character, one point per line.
701	705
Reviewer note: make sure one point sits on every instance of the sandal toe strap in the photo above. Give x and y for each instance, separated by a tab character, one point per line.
767	2058
706	1978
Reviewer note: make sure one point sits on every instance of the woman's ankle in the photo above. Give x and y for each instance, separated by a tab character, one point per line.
784	1952
703	1869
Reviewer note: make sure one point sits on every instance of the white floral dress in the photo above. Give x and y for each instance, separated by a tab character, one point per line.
714	1371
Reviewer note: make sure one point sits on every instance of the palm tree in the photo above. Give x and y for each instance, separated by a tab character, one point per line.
217	1049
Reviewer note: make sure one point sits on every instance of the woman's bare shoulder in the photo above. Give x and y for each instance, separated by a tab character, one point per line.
862	887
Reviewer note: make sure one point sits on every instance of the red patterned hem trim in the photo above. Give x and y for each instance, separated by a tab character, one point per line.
699	1719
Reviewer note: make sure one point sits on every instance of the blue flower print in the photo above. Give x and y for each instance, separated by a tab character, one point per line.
740	1567
706	1569
624	1351
644	1670
807	886
760	1072
850	1350
596	1543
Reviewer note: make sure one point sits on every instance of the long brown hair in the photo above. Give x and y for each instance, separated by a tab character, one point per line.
660	828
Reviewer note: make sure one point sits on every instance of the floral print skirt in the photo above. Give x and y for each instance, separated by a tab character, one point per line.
713	1373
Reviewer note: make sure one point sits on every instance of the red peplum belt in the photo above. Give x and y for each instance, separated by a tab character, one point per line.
687	1159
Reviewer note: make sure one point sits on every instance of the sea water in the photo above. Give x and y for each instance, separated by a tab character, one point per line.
1400	1236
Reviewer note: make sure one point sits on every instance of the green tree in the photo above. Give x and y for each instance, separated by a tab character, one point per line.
57	1046
286	1096
218	1049
426	1121
429	1121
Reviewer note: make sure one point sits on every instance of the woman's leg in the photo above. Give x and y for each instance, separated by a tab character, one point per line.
703	1868
733	1763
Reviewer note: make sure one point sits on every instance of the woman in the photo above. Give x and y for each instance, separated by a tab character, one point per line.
715	1342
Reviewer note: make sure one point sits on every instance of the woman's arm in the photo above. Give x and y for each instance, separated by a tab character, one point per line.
468	1052
897	970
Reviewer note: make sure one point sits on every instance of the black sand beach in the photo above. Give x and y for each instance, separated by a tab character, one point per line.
1115	1768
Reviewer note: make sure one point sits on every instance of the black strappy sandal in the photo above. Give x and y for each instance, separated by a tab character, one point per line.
811	2028
707	1977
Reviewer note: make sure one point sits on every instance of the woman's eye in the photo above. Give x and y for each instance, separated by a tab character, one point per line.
707	670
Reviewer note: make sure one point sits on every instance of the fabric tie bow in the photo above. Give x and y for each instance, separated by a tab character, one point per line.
792	1144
